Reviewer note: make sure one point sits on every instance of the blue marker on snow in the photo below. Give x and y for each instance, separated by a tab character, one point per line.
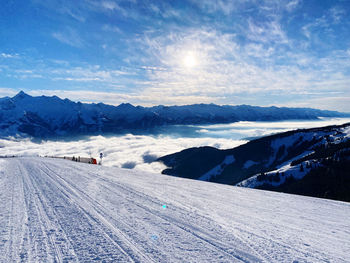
164	206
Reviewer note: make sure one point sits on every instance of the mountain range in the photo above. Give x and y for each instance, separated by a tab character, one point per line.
52	117
314	162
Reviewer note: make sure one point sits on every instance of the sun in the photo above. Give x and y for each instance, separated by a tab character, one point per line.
190	60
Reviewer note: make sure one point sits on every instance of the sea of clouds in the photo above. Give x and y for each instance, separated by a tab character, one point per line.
140	151
127	151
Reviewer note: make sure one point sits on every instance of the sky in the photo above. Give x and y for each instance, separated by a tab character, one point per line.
260	52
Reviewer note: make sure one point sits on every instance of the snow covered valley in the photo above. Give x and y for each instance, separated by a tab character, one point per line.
55	210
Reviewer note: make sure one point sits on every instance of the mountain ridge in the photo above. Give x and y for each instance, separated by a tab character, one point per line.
46	117
273	162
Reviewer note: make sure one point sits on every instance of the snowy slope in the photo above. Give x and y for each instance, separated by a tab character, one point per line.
334	146
265	154
276	177
56	210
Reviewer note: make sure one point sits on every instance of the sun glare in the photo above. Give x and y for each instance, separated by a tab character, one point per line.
190	61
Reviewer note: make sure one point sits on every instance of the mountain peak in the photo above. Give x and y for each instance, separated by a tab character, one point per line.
126	106
21	95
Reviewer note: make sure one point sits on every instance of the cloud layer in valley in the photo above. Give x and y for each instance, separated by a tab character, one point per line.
139	151
129	151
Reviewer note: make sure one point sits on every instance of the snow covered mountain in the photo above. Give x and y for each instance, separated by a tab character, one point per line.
51	116
44	117
313	162
56	210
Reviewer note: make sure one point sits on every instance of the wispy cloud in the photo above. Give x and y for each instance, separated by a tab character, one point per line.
75	13
324	26
245	51
90	74
113	7
8	55
26	74
259	50
64	9
70	37
110	5
226	72
111	28
337	14
227	68
292	5
267	32
222	6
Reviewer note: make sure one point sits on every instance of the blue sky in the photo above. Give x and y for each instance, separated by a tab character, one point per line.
258	52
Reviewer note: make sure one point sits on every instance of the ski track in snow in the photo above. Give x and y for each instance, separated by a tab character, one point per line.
59	211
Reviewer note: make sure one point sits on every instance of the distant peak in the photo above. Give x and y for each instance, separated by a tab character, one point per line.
126	105
21	95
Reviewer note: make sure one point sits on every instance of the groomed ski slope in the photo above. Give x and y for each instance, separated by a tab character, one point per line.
59	211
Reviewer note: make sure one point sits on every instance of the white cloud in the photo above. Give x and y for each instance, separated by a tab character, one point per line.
122	151
309	29
7	55
88	96
63	71
7	92
224	72
89	74
75	13
107	6
222	67
223	6
138	151
292	5
337	14
258	50
327	101
110	5
267	32
227	7
226	68
322	26
149	98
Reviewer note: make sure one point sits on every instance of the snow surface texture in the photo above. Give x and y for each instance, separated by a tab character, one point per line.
60	211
